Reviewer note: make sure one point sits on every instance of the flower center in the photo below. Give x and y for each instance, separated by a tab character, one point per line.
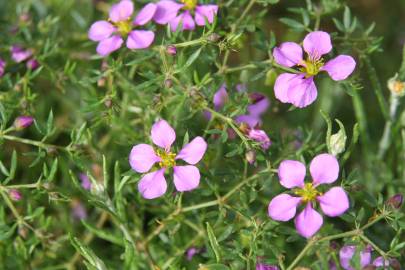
312	67
167	159
189	4
308	193
124	27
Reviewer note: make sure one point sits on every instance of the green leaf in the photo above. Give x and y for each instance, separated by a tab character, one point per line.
88	254
213	242
192	58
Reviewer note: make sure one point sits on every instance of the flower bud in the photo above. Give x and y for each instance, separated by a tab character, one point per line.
32	64
171	50
108	103
250	156
168	83
214	37
22	122
338	142
261	137
395	201
396	87
15	195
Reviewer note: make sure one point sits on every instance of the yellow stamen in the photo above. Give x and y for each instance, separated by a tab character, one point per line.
312	67
189	4
167	159
124	27
308	193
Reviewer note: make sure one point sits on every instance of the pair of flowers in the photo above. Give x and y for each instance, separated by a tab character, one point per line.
251	121
111	34
19	55
346	258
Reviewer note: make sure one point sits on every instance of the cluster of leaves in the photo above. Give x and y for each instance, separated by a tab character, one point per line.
90	111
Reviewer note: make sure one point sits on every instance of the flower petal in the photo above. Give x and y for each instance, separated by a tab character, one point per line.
166	11
142	158
334	202
220	98
186	178
193	151
291	173
121	11
288	54
261	137
317	44
140	39
340	68
205	11
308	222
186	20
109	45
302	92
153	185
251	120
283	207
100	30
346	254
381	262
260	104
19	54
283	82
324	169
145	14
163	134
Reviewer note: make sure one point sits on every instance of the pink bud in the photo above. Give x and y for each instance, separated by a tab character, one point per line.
19	54
250	156
14	194
22	122
32	64
395	201
171	49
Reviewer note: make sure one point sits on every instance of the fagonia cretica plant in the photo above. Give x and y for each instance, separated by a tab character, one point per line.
202	134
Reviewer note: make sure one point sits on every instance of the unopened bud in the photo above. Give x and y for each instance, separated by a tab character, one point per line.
168	83
15	195
337	142
101	82
395	201
22	122
396	86
369	267
171	50
108	103
214	37
250	156
32	64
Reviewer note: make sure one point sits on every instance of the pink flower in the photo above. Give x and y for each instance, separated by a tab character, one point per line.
346	255
324	169
2	67
19	54
261	137
14	194
23	122
143	157
110	34
299	89
86	184
174	13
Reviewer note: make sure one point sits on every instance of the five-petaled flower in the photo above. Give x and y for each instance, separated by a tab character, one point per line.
174	13
111	34
143	157
299	89
324	169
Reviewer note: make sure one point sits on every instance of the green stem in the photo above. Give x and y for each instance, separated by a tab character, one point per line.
385	141
34	143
